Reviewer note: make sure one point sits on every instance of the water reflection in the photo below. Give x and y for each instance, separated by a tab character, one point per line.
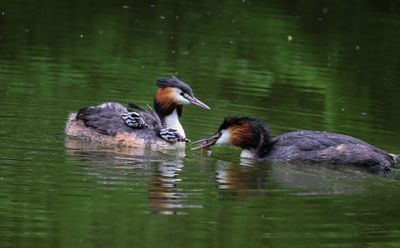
315	179
159	171
238	180
165	196
251	178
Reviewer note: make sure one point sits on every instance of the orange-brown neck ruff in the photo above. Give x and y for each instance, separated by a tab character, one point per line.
241	136
251	137
164	102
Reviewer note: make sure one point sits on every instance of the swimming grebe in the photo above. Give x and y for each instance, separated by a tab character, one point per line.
112	123
253	137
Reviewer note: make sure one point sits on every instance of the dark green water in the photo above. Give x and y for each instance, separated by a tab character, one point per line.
323	65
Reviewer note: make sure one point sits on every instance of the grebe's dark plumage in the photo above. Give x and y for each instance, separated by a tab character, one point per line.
253	137
174	82
106	118
112	123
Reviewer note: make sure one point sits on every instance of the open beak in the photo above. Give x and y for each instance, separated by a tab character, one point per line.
207	142
197	102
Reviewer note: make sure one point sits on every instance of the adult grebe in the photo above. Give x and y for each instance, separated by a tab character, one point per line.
253	137
113	124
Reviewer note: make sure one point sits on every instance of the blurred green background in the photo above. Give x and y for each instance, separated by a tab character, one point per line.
324	65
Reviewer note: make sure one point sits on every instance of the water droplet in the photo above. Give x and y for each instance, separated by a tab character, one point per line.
3	13
357	47
152	6
125	7
342	109
364	114
231	42
162	17
177	17
81	35
325	10
289	38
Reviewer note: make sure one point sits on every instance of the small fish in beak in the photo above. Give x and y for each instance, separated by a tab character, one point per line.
207	142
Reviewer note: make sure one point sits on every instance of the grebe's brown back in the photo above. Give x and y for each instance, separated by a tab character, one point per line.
114	124
253	137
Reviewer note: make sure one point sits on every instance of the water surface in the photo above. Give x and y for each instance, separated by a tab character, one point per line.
294	64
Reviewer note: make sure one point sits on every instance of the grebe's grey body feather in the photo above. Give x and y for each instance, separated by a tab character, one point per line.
106	118
325	147
103	124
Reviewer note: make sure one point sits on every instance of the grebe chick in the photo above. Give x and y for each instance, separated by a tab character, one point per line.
113	124
253	137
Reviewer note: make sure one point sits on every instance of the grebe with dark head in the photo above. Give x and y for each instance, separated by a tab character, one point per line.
113	124
253	137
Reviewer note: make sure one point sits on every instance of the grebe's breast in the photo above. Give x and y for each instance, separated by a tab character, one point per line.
103	124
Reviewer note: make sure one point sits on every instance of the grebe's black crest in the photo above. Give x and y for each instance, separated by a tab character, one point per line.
230	121
175	83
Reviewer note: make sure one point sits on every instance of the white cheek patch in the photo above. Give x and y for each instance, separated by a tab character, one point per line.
180	99
225	138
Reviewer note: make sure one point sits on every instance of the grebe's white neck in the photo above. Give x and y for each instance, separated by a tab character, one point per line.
248	154
172	121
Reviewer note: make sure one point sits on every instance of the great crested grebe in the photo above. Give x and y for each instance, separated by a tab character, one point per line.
253	137
113	124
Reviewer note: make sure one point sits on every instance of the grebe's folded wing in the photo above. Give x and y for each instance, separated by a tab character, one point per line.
311	140
107	118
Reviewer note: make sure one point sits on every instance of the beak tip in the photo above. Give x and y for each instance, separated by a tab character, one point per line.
205	143
199	103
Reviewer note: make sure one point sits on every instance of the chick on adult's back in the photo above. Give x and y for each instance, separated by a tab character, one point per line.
114	124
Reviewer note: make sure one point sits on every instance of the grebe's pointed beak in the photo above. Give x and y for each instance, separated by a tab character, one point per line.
197	102
207	142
